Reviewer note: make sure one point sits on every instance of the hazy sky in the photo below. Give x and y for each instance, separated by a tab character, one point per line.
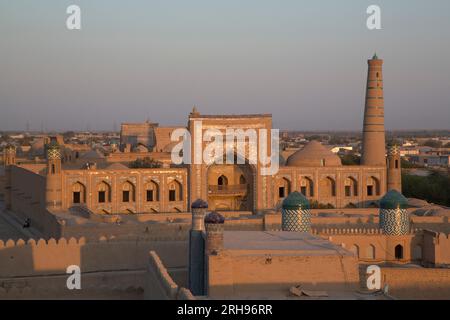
303	61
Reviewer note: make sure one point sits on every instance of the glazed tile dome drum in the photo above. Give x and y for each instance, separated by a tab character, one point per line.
394	218
295	214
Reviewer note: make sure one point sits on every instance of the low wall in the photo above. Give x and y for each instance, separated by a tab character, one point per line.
417	283
235	276
165	227
31	258
373	246
438	245
159	285
97	285
273	221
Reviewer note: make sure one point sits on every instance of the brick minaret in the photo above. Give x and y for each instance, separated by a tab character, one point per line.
53	194
373	144
394	169
9	158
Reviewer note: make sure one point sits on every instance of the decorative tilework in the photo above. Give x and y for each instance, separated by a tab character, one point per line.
53	153
394	222
296	220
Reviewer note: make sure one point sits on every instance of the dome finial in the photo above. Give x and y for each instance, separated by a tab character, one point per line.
375	57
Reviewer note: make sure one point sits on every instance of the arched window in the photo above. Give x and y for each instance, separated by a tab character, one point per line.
78	193
355	250
307	187
128	192
222	181
175	191
373	186
398	252
370	253
242	179
351	187
284	188
327	187
103	192
152	193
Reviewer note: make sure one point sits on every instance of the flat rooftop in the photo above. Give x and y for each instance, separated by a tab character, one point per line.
280	242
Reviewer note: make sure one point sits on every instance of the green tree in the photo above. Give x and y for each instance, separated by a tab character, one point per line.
432	143
350	159
145	163
433	188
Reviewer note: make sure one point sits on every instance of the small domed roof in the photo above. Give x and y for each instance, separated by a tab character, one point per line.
117	166
169	147
37	148
295	200
93	154
214	218
393	200
140	148
53	145
199	204
314	154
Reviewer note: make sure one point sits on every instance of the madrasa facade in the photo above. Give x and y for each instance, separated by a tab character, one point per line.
111	181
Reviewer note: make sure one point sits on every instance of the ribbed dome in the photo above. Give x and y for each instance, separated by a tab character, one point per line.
314	154
295	200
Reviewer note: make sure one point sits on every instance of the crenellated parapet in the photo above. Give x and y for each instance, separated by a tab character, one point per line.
354	231
41	257
72	241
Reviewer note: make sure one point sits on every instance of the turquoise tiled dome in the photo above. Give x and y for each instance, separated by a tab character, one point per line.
295	200
393	200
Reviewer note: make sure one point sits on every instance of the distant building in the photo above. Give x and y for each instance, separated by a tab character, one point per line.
430	160
138	133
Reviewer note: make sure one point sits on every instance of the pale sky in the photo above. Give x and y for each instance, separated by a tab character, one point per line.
303	61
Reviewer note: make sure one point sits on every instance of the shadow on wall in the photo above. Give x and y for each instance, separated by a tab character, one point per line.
40	267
